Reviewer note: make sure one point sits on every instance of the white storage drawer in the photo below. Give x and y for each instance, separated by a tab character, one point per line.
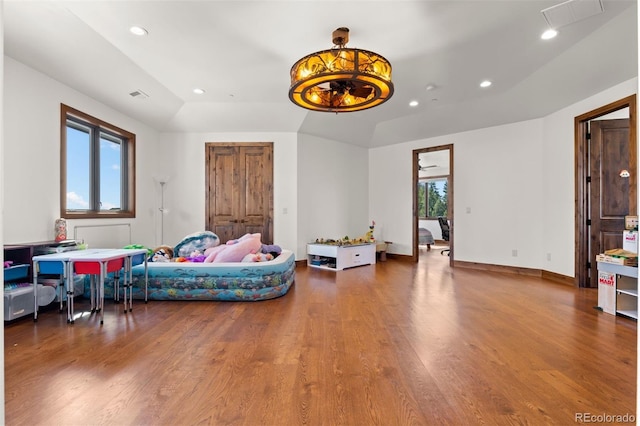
359	258
337	258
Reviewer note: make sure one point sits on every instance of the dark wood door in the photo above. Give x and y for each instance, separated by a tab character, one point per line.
612	196
240	190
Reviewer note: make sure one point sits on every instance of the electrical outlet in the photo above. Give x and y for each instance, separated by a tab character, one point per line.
548	256
514	253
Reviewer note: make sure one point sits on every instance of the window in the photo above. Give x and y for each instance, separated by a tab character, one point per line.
97	168
432	197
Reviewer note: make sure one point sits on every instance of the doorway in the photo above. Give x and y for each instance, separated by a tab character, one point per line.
239	193
432	182
605	144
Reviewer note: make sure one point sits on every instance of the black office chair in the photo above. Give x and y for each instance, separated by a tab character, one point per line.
444	226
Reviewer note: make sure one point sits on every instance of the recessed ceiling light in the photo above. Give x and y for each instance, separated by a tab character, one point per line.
413	103
198	91
430	87
138	31
485	83
549	34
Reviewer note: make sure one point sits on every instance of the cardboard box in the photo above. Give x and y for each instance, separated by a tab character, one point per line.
607	292
631	222
625	261
630	241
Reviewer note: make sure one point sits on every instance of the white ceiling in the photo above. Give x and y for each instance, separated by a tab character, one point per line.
241	53
434	163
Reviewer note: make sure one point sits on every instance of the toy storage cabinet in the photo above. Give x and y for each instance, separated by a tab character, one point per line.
337	258
18	297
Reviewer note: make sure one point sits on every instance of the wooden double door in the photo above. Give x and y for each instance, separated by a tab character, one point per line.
240	189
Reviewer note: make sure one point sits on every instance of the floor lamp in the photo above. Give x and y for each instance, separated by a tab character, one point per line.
162	181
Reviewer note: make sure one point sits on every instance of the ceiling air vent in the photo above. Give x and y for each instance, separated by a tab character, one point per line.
138	94
571	11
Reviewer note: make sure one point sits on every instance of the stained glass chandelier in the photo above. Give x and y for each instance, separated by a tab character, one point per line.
341	79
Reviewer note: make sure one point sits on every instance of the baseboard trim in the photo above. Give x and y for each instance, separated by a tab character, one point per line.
498	268
532	272
400	257
559	278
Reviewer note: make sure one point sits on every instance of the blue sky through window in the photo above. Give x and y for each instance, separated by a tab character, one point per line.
79	171
109	174
440	185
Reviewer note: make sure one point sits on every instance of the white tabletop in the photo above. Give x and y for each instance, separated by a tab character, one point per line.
102	255
88	255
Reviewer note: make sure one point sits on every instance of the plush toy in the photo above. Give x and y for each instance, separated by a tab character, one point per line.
369	234
196	256
162	254
200	241
258	257
234	250
271	249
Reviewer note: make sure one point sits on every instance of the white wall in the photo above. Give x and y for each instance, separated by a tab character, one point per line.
332	190
3	161
517	180
184	159
431	225
498	189
32	156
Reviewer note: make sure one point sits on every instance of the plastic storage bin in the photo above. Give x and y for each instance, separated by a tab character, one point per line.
78	286
16	272
19	301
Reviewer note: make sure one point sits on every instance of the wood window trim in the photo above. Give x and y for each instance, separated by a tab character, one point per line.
130	212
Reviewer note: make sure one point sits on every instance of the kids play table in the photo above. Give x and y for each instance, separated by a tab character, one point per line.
97	262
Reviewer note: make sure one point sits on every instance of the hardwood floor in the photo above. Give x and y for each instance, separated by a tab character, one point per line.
390	344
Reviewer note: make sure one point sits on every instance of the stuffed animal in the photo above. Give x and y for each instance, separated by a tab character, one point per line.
200	241
234	250
257	257
271	249
196	256
162	254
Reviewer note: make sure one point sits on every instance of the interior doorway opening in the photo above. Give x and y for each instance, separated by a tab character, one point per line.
432	197
590	181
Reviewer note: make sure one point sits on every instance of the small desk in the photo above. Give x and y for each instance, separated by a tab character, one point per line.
91	261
